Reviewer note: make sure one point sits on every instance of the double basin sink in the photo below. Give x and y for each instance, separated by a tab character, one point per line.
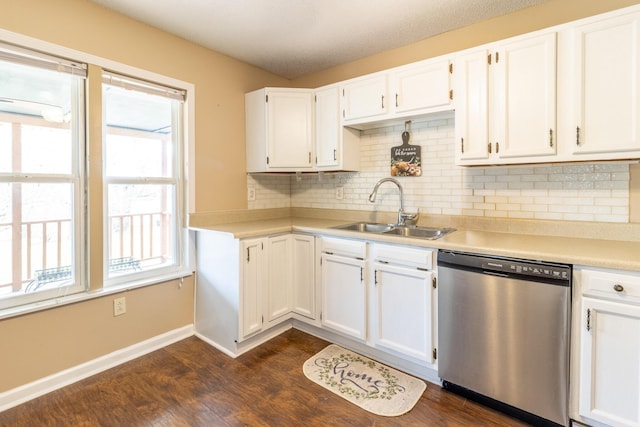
427	233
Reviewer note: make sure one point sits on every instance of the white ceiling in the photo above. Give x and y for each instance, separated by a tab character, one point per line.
292	38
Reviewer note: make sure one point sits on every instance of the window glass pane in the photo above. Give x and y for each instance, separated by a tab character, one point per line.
46	149
141	231
36	236
138	133
137	156
41	101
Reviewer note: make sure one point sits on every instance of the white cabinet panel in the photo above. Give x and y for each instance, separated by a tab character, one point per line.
279	130
344	295
606	87
253	275
303	280
506	102
365	97
279	286
403	311
610	362
422	86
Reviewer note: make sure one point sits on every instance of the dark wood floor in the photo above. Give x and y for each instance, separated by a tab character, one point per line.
192	384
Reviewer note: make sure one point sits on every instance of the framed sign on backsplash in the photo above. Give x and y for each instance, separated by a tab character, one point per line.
405	158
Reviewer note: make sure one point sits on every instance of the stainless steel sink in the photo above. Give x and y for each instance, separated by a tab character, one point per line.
428	233
420	232
366	227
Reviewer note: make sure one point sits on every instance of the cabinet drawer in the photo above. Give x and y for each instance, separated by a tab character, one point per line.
619	286
344	247
403	255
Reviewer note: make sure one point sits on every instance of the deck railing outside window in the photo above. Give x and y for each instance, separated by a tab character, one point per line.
138	240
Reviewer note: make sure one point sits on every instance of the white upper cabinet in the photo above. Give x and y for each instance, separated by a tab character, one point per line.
471	86
524	125
365	98
337	148
279	130
422	86
603	77
506	102
398	93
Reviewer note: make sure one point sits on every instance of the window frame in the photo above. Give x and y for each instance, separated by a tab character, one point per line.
76	176
176	180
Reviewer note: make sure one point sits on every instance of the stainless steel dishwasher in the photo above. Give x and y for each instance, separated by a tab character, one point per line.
503	333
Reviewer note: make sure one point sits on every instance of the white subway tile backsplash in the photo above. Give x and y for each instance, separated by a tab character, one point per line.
570	192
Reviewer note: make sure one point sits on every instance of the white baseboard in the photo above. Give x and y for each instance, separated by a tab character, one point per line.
21	394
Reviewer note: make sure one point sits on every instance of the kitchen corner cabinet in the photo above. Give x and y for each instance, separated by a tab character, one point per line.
609	374
343	287
248	286
279	130
403	301
604	80
337	147
506	102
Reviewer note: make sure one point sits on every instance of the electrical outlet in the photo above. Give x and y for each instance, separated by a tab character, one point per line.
339	193
251	194
119	306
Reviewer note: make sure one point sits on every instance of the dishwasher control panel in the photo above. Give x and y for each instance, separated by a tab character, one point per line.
540	270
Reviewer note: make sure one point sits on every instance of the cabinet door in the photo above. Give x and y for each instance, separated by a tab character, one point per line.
366	97
344	295
606	78
290	129
609	362
471	86
422	86
304	290
524	113
278	295
328	127
253	276
403	311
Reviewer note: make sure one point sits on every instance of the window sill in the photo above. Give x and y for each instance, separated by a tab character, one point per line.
88	295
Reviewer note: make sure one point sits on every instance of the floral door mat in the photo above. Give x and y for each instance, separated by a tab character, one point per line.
364	382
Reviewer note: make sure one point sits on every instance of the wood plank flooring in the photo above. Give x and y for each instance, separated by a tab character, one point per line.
192	384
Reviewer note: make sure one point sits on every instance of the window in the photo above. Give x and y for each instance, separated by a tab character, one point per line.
142	129
41	176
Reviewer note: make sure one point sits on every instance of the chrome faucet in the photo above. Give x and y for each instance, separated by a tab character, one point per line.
402	216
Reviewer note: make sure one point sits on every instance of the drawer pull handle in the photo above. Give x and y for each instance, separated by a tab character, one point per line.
618	287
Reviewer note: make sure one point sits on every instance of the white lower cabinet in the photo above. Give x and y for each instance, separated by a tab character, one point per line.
402	310
253	279
381	294
344	295
609	363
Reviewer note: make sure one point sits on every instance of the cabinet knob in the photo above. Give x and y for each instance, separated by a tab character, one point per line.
618	287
